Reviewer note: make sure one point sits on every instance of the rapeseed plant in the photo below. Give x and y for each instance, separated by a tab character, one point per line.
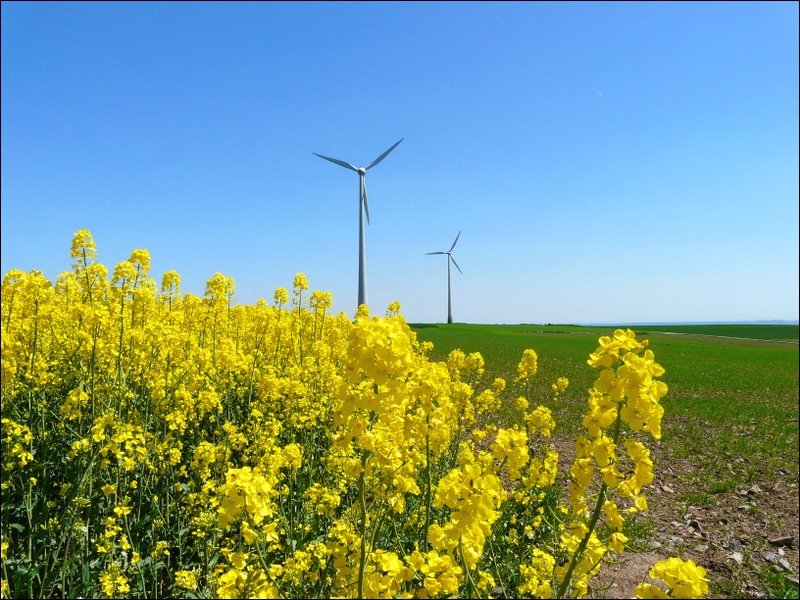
156	443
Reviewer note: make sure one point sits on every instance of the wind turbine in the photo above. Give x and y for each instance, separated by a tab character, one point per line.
449	254
363	209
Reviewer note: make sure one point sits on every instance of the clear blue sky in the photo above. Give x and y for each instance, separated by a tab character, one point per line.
615	162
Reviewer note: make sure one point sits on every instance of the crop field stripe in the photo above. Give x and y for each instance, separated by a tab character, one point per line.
751	331
728	337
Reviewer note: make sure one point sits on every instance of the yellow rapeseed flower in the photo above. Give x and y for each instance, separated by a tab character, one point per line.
684	579
528	365
186	580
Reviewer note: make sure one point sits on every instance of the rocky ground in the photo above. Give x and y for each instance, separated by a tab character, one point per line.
746	538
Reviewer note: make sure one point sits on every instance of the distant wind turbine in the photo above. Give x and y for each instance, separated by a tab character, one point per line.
363	208
449	254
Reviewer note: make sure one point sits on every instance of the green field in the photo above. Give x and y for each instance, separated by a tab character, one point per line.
729	450
714	381
757	332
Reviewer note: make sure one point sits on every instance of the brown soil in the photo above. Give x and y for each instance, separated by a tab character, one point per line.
737	537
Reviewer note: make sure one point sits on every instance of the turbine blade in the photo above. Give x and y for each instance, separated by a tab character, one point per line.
336	161
454	243
455	263
364	196
436	253
382	156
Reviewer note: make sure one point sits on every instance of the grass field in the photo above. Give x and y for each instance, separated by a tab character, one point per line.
757	332
727	465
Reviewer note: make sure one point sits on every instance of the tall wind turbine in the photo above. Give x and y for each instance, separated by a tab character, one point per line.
363	209
450	258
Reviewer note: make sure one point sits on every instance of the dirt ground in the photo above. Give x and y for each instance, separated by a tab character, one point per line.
744	534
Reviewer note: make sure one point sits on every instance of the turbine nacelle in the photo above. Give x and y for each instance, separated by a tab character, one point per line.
449	253
362	172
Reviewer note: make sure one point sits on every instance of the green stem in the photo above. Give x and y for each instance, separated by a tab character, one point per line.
261	559
427	481
497	567
137	565
470	581
362	502
584	542
378	524
292	542
598	508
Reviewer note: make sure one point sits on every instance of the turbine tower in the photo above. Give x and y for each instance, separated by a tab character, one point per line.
449	254
363	209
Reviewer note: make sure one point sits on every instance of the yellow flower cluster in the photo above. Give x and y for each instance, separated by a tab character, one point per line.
246	493
474	494
528	366
511	448
537	576
186	580
16	444
113	582
276	450
683	579
626	393
241	583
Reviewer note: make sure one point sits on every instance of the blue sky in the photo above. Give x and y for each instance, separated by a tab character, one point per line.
605	162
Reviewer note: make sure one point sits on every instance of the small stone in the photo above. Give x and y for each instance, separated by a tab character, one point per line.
784	541
734	545
668	489
676	540
701	548
777	560
737	556
754	490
